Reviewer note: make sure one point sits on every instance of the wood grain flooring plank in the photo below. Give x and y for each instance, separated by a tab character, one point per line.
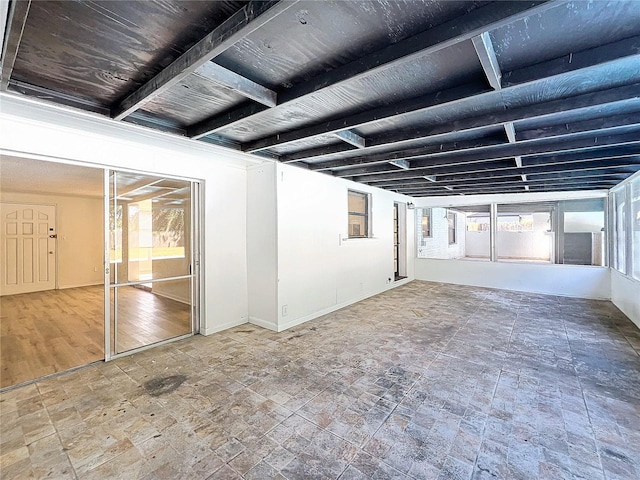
55	330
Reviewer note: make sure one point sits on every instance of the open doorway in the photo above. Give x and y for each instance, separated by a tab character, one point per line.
399	241
151	277
51	288
102	263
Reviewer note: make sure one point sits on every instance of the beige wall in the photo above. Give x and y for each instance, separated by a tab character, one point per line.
80	238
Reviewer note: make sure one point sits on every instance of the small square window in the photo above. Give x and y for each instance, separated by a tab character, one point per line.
359	204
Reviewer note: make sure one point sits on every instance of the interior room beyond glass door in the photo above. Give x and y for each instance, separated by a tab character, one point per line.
151	281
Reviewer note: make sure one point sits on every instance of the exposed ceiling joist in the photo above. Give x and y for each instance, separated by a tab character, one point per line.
514	183
591	175
509	189
236	82
485	153
479	170
403	164
488	60
462	94
609	69
428	42
406	155
16	19
248	19
577	60
352	138
578	141
625	98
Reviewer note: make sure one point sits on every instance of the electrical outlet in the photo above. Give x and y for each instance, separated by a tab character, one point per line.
285	310
95	269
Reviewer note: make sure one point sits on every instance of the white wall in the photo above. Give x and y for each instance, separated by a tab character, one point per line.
80	239
319	269
35	130
625	294
566	280
262	263
478	244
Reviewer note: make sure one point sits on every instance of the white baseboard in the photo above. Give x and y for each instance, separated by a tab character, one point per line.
80	285
263	323
338	306
172	297
224	326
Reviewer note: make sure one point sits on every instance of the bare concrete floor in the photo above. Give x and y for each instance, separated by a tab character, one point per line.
425	381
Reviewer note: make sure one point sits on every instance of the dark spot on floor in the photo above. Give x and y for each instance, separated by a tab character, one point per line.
614	454
162	385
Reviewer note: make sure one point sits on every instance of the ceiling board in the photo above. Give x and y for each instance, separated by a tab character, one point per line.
402	79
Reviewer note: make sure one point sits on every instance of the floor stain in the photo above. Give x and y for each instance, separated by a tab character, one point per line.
162	385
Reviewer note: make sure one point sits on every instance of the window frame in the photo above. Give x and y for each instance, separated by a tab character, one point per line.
452	227
366	214
428	213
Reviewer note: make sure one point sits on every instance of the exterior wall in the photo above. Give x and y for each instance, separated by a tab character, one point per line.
565	280
437	246
625	294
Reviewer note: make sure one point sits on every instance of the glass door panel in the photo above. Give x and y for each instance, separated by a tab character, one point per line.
150	258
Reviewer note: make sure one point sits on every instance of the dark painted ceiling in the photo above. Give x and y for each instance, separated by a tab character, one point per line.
420	97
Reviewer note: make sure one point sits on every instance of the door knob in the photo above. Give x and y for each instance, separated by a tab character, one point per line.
50	253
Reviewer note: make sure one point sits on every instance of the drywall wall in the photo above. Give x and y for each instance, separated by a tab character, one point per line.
567	280
80	236
319	268
625	294
262	245
85	138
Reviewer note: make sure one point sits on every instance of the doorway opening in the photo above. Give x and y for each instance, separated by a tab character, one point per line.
62	241
150	282
399	241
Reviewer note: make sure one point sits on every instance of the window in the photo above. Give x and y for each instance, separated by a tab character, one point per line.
435	222
620	257
477	234
168	232
359	204
561	232
424	219
115	233
635	228
451	219
523	232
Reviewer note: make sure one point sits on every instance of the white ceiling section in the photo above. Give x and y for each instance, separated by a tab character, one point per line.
34	176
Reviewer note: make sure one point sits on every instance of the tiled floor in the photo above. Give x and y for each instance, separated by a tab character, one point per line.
424	381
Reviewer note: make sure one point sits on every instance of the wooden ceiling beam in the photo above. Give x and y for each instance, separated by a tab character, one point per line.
460	29
16	20
474	152
610	66
234	81
502	168
245	21
487	56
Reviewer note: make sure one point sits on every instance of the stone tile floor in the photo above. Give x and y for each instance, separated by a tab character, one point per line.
425	381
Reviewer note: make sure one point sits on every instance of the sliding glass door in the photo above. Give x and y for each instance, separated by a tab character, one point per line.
151	251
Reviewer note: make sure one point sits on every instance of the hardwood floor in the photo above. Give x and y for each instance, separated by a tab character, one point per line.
47	332
145	318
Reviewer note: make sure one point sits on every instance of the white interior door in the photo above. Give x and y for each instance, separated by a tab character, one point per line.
28	246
